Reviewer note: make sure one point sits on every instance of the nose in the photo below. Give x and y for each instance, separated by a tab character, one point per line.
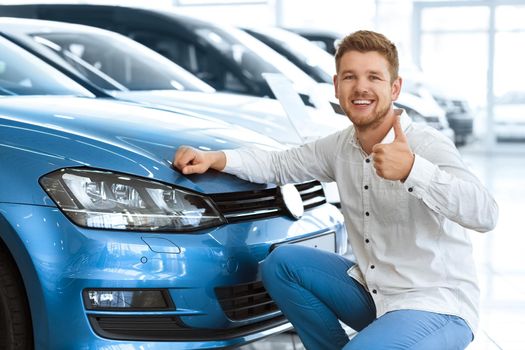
361	86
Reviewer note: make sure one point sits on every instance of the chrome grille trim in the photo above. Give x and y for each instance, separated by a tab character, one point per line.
261	204
256	212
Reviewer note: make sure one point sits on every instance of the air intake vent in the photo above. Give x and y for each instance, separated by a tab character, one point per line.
171	328
244	301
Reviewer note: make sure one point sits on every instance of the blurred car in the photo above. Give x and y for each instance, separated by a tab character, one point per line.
509	117
103	245
130	71
311	59
459	115
223	56
325	39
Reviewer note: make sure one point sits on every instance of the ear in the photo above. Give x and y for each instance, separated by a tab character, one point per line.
335	85
396	88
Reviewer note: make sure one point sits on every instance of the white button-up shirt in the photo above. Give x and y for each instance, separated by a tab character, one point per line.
409	239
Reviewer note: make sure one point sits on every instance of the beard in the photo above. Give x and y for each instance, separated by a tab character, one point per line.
374	120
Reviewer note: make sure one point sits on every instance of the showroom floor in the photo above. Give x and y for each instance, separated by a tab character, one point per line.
499	254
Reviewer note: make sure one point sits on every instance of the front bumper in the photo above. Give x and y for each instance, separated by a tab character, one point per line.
59	261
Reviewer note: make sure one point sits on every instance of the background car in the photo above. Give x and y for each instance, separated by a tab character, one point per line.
310	58
225	57
325	39
459	115
509	110
103	244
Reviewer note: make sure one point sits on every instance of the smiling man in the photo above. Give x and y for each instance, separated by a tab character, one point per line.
407	198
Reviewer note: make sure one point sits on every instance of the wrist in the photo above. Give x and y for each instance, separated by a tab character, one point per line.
411	162
218	161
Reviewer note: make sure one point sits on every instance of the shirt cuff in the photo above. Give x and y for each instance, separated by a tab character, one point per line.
233	161
420	177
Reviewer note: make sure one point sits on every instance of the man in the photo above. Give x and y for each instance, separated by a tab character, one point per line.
407	198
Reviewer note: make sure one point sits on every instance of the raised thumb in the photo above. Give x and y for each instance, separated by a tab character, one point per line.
398	130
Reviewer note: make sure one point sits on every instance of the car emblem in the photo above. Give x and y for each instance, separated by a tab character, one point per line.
292	201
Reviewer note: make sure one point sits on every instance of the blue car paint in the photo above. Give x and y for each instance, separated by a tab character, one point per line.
58	260
66	132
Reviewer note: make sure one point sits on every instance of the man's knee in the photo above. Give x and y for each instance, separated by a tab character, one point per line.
277	262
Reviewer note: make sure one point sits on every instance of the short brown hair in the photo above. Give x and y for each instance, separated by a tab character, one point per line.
366	41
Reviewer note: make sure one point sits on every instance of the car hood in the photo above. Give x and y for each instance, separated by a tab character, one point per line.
263	115
42	134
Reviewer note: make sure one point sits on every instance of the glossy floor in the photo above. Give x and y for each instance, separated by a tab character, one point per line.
500	254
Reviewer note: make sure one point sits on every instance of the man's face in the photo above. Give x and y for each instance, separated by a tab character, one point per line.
363	87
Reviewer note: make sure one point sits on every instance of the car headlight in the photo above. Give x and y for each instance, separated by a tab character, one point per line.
108	200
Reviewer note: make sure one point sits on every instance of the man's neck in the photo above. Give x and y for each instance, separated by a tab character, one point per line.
370	136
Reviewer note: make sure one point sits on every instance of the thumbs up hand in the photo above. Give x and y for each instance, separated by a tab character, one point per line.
394	161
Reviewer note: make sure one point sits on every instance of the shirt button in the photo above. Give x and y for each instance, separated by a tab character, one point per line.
367	160
367	214
374	291
367	240
410	189
372	267
366	188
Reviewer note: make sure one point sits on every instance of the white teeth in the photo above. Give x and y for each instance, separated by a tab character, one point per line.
361	102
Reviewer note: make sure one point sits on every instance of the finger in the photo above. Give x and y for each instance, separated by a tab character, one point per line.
398	130
183	157
377	148
176	158
194	169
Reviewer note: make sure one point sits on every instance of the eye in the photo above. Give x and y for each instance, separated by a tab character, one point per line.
348	77
375	77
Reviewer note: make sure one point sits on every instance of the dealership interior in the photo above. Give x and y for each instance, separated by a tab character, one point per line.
461	62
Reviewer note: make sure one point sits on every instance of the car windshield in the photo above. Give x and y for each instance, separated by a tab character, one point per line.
113	62
23	74
252	55
303	50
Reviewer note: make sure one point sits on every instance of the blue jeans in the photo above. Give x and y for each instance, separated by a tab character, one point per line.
314	291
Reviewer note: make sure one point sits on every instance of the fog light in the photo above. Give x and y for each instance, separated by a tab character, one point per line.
127	300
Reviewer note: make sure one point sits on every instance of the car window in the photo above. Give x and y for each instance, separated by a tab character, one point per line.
130	65
253	56
303	50
23	74
202	63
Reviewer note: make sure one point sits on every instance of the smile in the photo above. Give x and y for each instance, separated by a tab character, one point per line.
362	102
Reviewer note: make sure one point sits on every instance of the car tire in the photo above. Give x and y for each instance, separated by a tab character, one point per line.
15	321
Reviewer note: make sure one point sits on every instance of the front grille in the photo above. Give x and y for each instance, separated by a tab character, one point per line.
249	205
170	328
244	301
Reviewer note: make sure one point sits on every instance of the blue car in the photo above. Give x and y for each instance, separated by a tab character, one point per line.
103	245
